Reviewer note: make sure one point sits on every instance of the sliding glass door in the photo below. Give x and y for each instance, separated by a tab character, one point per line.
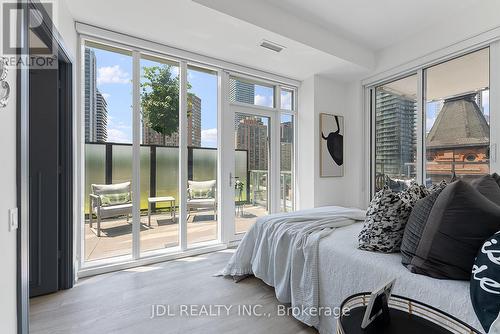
107	100
163	177
251	164
396	133
434	124
159	153
202	164
457	133
261	136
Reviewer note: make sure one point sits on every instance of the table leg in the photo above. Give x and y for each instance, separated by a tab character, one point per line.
149	213
172	210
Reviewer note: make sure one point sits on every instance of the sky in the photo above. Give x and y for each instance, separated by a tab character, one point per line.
114	75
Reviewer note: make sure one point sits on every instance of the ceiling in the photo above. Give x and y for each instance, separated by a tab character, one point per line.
193	27
375	24
465	74
331	37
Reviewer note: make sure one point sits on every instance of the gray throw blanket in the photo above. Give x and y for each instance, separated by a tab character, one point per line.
282	250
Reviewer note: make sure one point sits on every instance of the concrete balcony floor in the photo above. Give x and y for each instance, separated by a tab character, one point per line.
116	233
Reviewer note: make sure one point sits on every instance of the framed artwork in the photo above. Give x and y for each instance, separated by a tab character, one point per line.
331	145
378	304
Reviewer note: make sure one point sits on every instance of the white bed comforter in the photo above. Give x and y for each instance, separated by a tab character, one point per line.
282	250
345	270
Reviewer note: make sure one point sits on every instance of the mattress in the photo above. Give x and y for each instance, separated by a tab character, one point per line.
345	270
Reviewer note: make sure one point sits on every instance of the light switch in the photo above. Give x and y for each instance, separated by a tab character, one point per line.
12	219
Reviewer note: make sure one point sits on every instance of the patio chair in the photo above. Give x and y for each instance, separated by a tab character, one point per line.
109	200
202	195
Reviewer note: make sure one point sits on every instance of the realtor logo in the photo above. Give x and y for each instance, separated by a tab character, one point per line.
41	52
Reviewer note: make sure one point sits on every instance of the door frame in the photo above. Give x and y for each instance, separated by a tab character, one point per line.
22	160
273	114
272	161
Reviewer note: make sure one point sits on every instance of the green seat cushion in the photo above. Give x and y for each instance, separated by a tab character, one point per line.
115	199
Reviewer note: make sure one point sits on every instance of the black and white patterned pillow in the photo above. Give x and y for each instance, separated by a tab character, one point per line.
414	192
386	218
485	283
437	186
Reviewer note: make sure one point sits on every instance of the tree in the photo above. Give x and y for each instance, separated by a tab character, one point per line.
160	99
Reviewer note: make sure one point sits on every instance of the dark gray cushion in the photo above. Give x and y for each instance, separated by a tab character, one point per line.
496	177
488	186
460	220
415	226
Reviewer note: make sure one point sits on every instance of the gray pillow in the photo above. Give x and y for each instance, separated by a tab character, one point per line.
488	186
459	222
496	177
415	226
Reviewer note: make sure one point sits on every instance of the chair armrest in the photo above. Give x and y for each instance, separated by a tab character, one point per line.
95	200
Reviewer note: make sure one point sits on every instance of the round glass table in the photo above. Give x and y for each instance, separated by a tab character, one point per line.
406	316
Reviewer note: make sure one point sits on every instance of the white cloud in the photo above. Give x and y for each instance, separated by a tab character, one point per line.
112	75
118	136
286	101
119	132
209	138
262	100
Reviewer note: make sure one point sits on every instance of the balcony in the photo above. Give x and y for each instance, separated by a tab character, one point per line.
111	163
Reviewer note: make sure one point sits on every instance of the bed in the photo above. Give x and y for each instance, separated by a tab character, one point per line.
311	259
345	270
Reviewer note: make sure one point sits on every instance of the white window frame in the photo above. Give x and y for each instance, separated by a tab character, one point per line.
274	114
418	66
140	47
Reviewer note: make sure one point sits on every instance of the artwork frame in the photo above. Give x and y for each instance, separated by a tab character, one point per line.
378	306
331	138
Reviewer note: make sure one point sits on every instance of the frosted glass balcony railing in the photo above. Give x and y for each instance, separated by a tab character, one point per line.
107	163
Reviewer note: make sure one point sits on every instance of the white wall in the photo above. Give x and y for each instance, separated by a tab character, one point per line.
66	26
450	31
305	141
319	94
8	278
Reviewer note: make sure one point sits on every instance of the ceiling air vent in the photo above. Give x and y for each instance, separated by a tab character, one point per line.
271	46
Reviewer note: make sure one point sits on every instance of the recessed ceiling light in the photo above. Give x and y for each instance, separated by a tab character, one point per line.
271	45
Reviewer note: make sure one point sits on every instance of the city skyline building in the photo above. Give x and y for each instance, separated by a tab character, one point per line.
396	134
96	112
101	118
243	92
286	145
252	135
151	137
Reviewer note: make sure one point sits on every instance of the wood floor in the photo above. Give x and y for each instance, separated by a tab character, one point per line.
116	234
121	302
